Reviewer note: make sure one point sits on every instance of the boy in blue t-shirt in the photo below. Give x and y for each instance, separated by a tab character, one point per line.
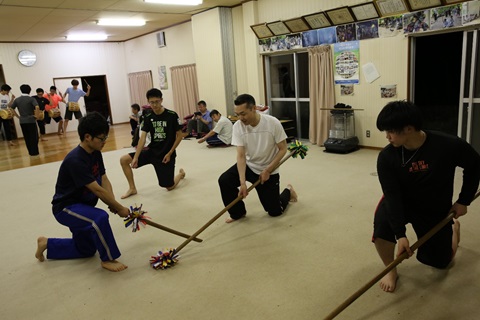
74	94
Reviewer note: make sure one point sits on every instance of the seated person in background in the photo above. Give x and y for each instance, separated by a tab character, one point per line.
221	135
201	121
134	117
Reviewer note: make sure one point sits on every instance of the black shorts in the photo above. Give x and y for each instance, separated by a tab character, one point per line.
436	252
165	171
69	114
48	119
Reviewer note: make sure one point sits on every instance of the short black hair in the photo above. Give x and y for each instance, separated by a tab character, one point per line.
136	106
25	88
75	82
53	88
397	115
6	87
94	124
245	98
40	90
201	102
154	93
214	112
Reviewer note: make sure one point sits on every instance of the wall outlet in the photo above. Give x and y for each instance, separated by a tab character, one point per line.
367	133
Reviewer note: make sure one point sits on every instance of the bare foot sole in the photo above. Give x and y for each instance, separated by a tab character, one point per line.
293	194
389	281
129	193
113	265
182	174
230	220
41	247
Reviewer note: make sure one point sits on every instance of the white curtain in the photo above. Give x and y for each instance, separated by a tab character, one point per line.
185	89
139	83
322	92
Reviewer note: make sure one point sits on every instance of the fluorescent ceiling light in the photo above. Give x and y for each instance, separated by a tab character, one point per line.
121	22
87	37
177	2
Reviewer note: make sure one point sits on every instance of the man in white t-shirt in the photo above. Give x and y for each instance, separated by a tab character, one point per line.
221	134
261	144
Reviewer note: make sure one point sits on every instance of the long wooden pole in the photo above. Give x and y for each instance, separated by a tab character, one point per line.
167	229
218	215
392	265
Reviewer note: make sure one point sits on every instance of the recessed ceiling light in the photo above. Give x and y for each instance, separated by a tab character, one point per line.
177	2
87	37
121	22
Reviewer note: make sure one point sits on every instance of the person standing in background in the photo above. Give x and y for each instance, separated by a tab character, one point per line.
27	107
5	104
74	94
54	108
42	103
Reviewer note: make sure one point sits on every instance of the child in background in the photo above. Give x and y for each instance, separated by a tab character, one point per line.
135	117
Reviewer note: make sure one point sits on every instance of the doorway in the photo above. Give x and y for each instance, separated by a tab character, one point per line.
98	100
444	83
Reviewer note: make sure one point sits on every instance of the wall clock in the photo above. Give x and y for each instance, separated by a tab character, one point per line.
27	58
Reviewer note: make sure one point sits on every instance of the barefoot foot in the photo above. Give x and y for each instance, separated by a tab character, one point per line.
12	143
389	281
293	194
130	192
113	265
230	220
41	247
182	174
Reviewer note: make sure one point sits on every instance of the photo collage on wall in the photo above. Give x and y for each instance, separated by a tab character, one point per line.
457	15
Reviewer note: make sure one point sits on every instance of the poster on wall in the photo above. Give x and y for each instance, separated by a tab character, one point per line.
346	57
390	26
388	91
162	74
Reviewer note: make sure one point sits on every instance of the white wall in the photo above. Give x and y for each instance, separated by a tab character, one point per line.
56	60
143	54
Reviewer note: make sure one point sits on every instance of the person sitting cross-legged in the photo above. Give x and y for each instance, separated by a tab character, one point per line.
221	134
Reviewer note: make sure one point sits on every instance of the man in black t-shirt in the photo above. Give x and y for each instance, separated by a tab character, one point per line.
416	172
166	134
42	102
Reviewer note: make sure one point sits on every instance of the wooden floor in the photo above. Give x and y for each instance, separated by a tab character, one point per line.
57	147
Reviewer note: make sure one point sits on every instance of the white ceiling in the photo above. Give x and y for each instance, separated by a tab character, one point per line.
53	20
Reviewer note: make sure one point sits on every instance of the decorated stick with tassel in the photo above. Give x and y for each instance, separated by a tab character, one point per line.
392	265
166	259
137	217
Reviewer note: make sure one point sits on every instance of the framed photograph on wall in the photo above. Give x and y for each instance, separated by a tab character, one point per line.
341	15
423	4
318	20
297	25
278	28
365	11
391	7
262	31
